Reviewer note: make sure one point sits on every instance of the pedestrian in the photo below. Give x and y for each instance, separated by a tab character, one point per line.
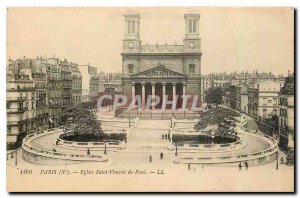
88	151
161	155
240	166
281	160
202	167
150	159
189	166
246	165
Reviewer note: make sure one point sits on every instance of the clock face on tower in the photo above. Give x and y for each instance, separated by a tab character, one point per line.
192	44
130	45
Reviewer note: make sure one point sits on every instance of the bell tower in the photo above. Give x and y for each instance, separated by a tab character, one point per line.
131	41
192	39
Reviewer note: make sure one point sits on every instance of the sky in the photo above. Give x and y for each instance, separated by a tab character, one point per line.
232	39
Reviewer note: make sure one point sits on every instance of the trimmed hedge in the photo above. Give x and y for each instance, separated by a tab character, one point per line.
203	139
92	137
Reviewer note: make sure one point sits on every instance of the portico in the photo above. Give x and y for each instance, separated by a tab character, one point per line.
166	91
165	84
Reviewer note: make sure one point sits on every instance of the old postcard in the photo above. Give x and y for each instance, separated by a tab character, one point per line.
150	99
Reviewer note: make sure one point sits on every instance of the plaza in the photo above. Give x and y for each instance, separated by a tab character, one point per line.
144	139
145	136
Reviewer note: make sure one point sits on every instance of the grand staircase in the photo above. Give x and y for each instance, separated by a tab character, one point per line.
148	136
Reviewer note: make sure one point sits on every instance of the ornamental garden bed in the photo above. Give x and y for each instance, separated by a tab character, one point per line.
93	137
204	139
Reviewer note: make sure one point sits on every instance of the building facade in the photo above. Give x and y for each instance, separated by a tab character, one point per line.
286	114
54	84
76	84
41	108
66	76
49	89
241	98
19	106
263	98
206	84
90	83
162	70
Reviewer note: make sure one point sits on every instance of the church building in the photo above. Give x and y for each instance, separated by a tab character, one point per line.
164	70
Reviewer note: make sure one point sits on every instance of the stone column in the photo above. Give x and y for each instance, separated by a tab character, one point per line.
164	92
183	92
133	92
153	93
174	93
184	88
143	95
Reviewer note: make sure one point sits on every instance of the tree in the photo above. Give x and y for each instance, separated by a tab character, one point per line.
223	118
214	96
81	121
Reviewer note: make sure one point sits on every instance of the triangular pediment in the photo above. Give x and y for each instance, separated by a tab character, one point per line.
158	72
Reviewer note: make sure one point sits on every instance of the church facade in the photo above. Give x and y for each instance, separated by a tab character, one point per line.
164	70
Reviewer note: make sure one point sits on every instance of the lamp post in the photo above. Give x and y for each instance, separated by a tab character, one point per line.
129	118
105	148
16	161
277	167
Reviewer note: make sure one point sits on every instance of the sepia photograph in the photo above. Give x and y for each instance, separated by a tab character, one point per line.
150	99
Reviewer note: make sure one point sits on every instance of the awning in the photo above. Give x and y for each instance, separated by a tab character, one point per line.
50	120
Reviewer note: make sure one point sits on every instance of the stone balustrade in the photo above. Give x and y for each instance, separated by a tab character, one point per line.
38	155
254	158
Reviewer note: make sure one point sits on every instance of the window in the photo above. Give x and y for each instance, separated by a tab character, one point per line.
190	26
285	123
275	101
194	26
130	68
264	113
192	69
129	27
8	129
133	27
264	102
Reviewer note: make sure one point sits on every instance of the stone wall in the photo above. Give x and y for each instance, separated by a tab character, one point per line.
177	63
